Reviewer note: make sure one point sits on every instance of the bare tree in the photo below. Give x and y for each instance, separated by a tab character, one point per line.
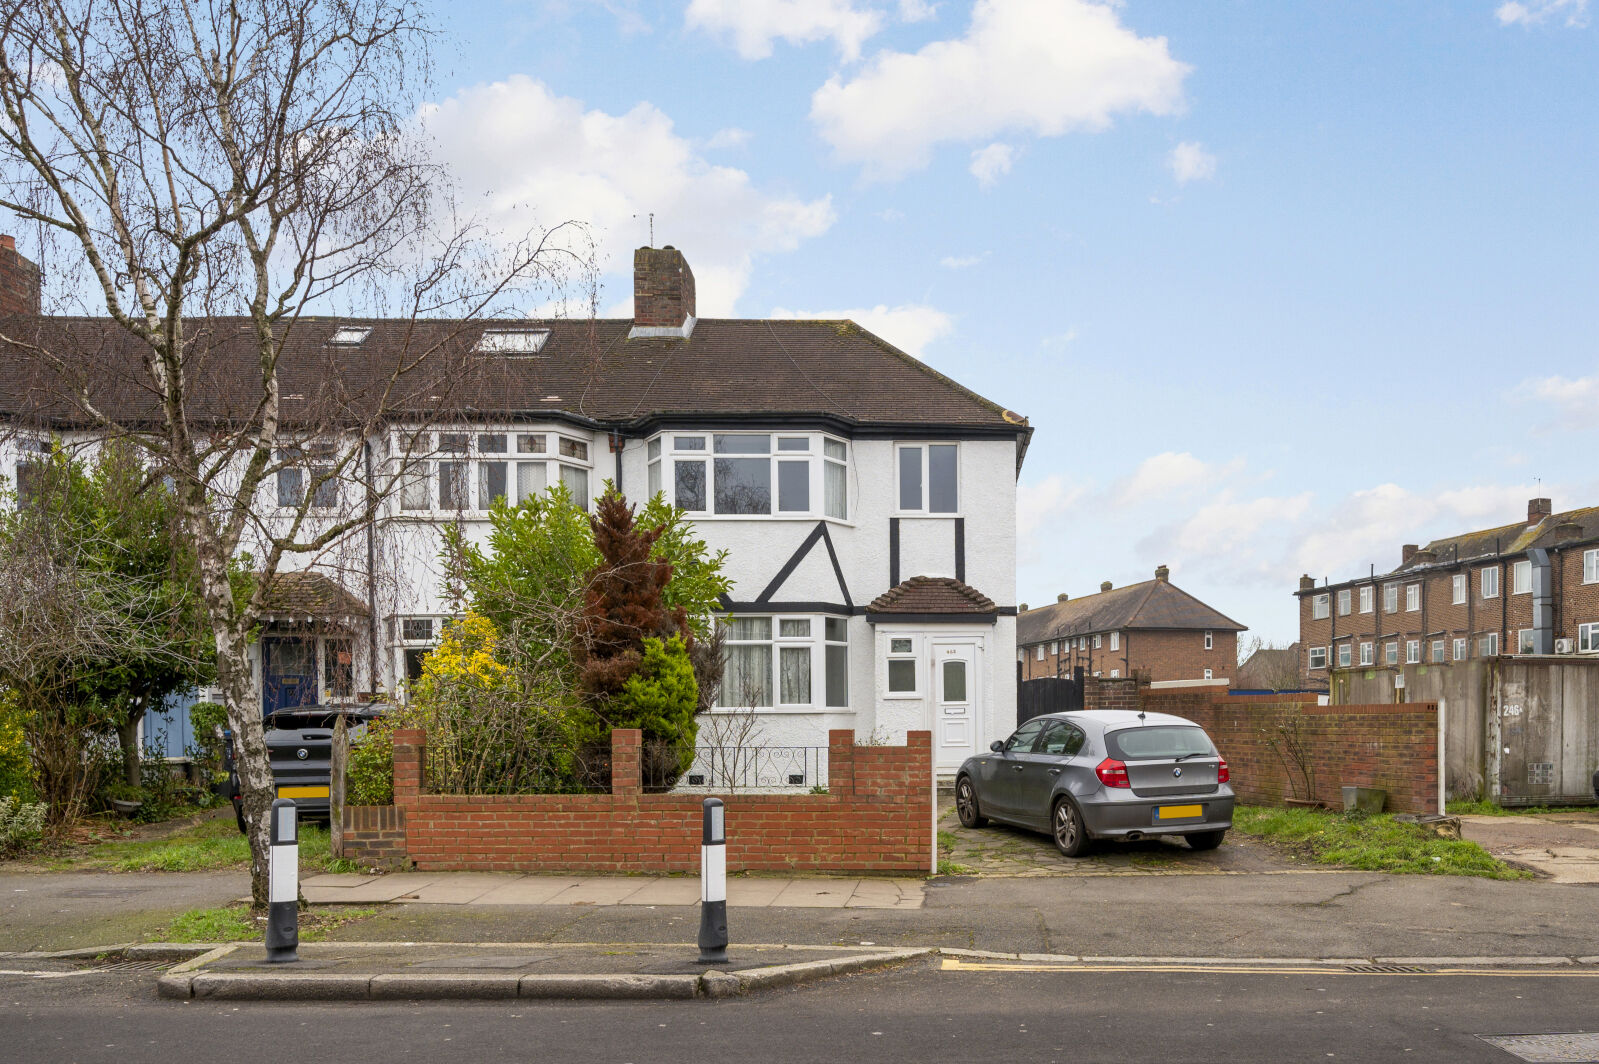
1268	666
217	172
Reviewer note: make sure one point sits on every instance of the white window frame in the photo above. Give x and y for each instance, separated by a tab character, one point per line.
1368	598
1461	648
1412	652
1210	640
1437	651
1054	648
1116	674
1588	638
927	487
1390	598
1488	581
428	454
1458	589
663	452
1367	656
1115	640
1345	655
913	655
1521	577
1315	654
1390	652
817	641
1590	566
1209	675
1038	652
1412	598
1096	641
1345	602
1525	640
1318	607
1488	645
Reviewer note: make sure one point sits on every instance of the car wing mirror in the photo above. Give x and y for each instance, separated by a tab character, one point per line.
998	746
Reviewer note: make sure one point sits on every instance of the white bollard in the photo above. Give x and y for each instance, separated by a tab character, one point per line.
283	894
713	884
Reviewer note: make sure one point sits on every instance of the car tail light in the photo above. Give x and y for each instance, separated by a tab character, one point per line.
1222	775
1112	773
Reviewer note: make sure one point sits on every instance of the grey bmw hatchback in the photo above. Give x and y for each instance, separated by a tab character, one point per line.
1101	774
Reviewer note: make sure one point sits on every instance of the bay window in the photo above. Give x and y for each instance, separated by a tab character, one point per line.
802	662
743	474
463	471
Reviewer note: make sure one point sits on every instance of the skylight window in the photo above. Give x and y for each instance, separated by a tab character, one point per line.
350	334
512	341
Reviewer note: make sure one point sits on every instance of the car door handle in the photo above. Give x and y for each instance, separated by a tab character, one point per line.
1054	772
1018	768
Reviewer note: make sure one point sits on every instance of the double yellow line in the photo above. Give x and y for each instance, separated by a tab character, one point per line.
953	964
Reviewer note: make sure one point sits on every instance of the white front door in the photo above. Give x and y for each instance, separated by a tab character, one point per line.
957	701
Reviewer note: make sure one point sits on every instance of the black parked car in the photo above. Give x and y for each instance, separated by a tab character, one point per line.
300	747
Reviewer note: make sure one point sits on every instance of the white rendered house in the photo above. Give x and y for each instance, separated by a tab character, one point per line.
866	501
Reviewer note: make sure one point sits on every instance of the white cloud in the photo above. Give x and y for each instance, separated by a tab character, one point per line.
1189	161
1532	12
754	24
1573	400
909	327
990	164
917	10
1170	473
531	155
891	214
1040	508
960	262
1043	67
731	137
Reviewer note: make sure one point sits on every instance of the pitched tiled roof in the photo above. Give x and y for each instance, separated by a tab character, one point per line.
932	594
304	594
586	369
1152	604
1573	526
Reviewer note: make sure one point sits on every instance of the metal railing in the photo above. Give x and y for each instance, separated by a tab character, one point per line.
796	768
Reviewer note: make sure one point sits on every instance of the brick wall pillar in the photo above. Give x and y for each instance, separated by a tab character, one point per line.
410	752
841	761
626	771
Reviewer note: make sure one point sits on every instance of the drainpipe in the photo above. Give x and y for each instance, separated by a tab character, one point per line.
1543	606
371	574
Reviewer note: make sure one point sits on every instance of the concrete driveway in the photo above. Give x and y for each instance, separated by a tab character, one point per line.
1562	846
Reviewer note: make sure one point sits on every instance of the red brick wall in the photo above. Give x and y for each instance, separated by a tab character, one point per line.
876	817
1394	747
374	834
19	281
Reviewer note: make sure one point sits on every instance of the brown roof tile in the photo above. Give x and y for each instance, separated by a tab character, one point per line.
1151	604
303	594
932	594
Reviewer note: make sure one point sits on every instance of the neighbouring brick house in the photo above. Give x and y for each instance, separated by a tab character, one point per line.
1155	629
1526	588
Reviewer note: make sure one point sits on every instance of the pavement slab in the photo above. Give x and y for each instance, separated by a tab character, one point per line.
1564	847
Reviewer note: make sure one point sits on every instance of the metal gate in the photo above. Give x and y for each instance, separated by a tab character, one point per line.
1050	694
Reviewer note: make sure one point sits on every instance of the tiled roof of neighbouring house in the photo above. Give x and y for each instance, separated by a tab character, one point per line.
1151	604
932	594
1573	526
588	369
302	594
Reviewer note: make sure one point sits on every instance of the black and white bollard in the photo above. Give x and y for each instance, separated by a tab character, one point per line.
283	894
713	885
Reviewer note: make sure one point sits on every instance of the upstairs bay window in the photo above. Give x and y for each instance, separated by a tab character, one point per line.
465	472
929	477
740	474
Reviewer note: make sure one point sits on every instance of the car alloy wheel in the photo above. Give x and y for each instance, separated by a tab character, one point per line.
1070	838
966	804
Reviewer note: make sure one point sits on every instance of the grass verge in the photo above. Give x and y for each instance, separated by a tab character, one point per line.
234	923
1371	843
1483	807
213	845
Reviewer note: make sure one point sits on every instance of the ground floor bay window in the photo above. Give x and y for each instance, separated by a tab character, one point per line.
786	662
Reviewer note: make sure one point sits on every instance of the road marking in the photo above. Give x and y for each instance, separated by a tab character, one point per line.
951	964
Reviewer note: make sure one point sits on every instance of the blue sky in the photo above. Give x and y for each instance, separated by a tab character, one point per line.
1280	285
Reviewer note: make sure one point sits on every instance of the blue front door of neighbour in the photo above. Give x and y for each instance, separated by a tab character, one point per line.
288	673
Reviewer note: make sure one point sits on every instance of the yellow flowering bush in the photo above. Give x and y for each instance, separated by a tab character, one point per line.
465	655
16	772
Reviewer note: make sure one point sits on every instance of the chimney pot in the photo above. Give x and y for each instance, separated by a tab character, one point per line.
1162	573
1022	608
8	241
663	288
1062	597
1538	509
1104	585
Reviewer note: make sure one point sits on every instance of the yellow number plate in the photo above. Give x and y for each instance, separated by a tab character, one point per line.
320	792
1179	812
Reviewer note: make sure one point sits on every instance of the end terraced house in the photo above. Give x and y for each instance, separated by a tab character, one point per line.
867	502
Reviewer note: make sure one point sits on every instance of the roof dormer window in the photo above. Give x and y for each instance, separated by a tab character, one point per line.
349	335
512	341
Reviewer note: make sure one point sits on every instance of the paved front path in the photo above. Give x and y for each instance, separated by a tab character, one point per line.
495	888
1562	846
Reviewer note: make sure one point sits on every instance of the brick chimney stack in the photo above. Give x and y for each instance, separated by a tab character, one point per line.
1062	597
1162	574
1104	586
1306	582
1538	509
19	280
663	289
1407	552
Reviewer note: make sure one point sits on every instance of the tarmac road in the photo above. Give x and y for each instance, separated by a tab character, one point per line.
910	1015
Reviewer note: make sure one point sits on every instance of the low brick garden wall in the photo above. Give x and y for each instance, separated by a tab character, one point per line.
877	817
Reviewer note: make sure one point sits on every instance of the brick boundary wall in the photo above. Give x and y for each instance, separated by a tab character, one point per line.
1393	747
877	817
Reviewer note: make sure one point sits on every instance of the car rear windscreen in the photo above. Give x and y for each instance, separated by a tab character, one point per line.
1157	741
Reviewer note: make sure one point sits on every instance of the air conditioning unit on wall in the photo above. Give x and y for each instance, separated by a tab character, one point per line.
1563	646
